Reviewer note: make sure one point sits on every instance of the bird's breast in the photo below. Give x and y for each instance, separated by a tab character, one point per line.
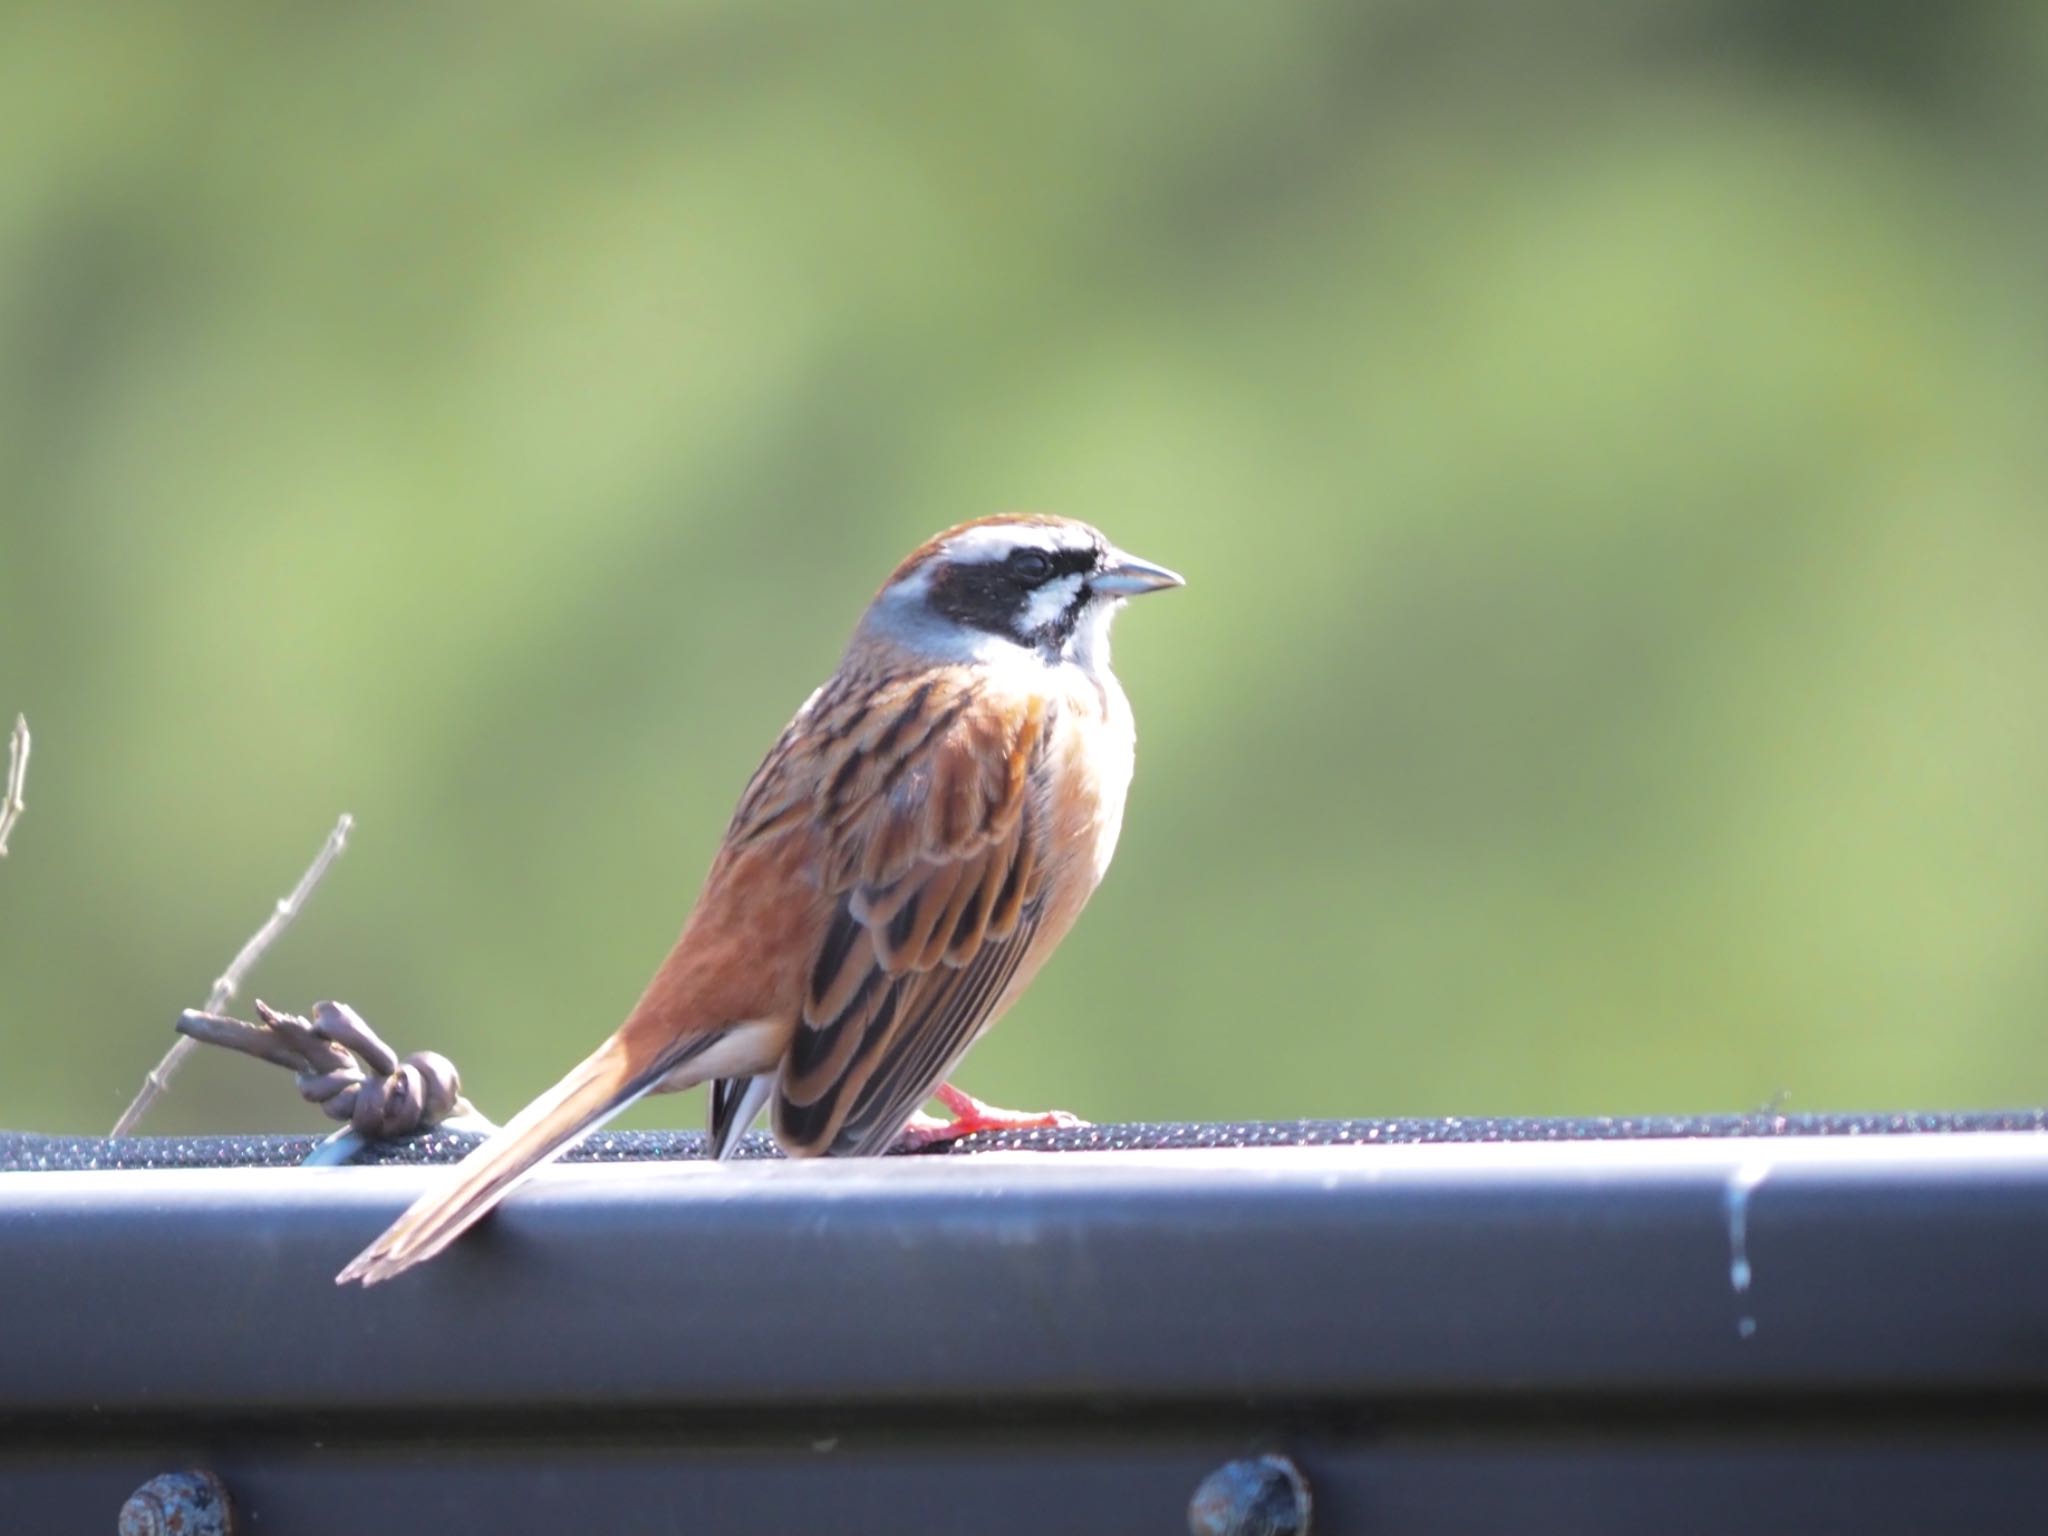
1089	759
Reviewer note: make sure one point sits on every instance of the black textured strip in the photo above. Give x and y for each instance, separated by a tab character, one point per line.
28	1152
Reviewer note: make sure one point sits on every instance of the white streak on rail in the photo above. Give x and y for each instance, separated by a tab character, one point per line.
1742	1184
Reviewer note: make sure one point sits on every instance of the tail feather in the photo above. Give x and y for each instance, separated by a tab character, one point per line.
735	1103
590	1095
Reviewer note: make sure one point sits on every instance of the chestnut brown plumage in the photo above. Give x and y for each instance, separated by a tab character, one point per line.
914	846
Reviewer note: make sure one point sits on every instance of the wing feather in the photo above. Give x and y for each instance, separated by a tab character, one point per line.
933	855
953	1014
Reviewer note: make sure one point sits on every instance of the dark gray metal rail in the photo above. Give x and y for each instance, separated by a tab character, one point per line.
1451	1333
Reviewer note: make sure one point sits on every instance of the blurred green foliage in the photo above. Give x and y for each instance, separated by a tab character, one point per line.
1606	444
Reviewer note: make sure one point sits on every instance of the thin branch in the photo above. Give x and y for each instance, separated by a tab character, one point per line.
238	970
11	803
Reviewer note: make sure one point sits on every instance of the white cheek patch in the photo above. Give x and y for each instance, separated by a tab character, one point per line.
1049	602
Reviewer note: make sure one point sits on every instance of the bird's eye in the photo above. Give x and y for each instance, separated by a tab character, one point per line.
1031	564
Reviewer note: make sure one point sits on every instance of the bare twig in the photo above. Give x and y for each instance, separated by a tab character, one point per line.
11	803
238	969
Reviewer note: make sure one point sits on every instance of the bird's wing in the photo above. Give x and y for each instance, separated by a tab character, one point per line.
932	848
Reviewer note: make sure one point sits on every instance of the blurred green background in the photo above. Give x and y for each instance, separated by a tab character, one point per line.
1606	444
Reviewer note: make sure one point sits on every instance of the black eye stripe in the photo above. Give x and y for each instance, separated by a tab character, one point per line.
995	594
1031	564
1038	565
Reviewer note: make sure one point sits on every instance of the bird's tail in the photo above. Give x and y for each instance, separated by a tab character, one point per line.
590	1095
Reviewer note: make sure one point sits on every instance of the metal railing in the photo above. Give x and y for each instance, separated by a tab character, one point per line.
1796	1324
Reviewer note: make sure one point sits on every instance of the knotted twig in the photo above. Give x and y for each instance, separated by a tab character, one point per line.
345	1068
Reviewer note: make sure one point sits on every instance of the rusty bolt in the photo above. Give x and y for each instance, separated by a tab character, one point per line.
1260	1496
179	1504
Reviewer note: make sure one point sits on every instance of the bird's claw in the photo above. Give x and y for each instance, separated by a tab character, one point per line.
970	1117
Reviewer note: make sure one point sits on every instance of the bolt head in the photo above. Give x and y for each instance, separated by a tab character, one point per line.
191	1503
1259	1496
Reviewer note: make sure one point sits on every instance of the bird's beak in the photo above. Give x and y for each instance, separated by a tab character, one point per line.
1127	576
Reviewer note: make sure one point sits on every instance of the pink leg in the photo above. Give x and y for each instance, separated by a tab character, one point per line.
971	1115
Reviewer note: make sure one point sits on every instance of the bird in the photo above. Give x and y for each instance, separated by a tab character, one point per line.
913	847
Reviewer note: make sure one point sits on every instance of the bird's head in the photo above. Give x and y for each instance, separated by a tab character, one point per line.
1048	585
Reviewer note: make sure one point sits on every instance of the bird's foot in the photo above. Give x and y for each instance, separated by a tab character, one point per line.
971	1116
